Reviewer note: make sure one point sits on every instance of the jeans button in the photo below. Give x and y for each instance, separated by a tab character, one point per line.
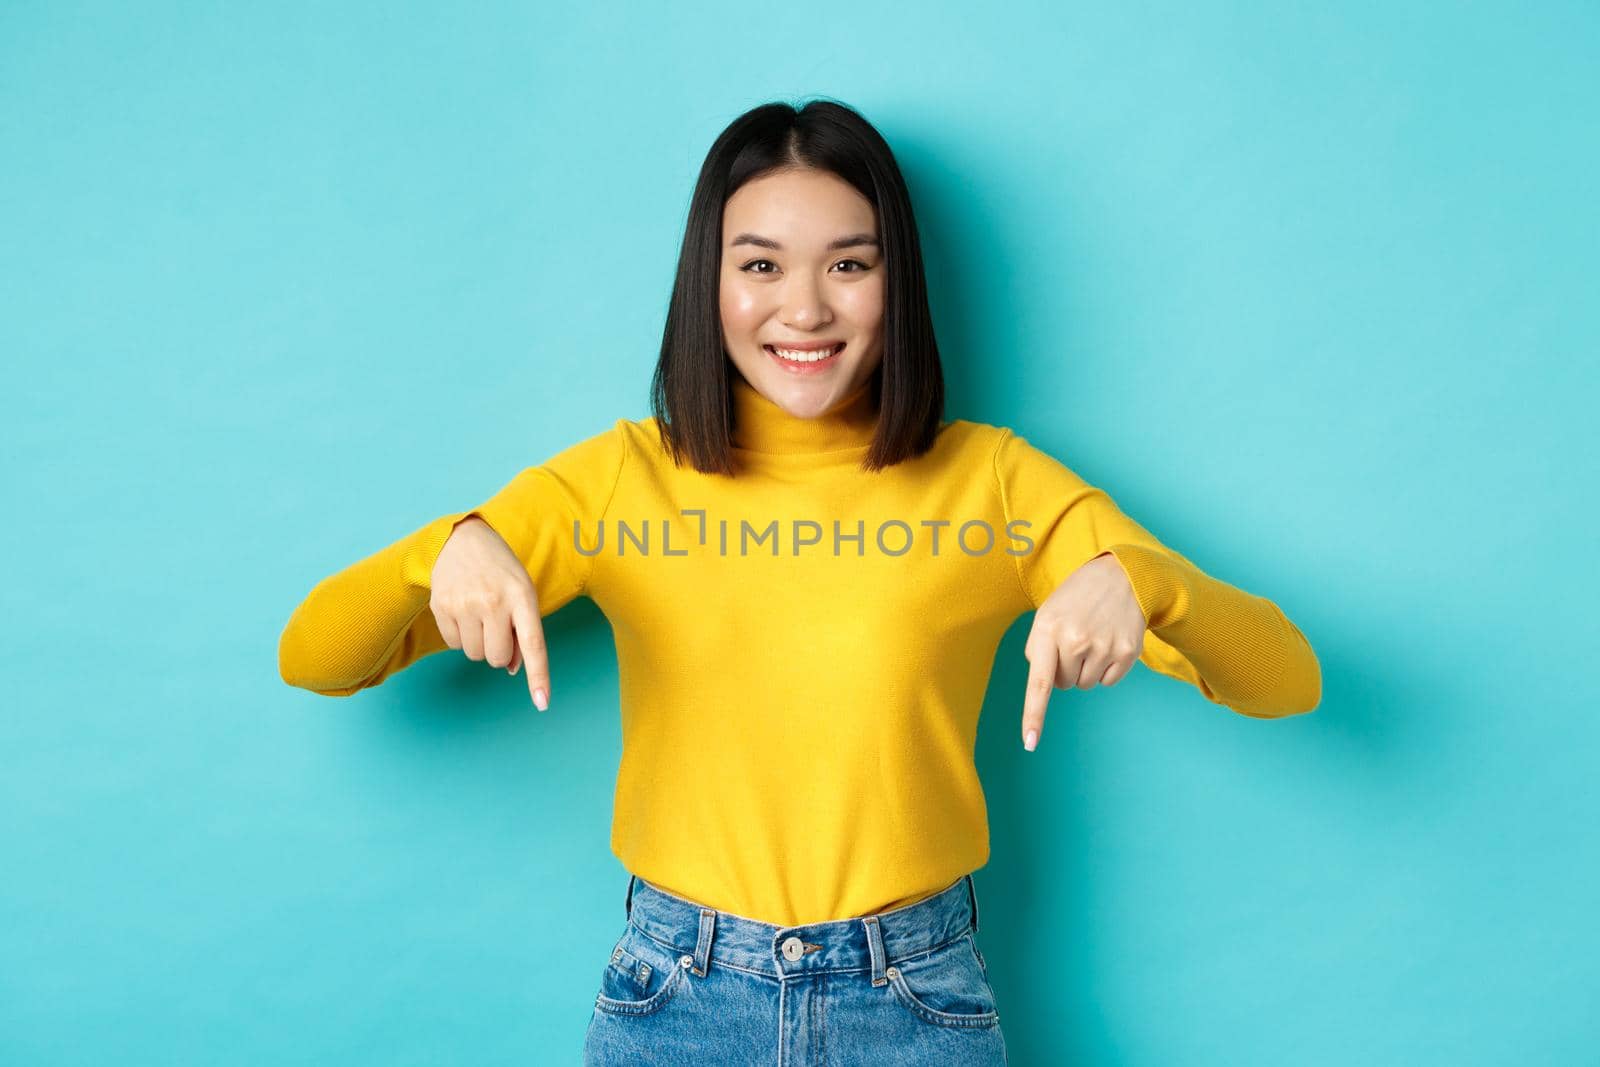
793	947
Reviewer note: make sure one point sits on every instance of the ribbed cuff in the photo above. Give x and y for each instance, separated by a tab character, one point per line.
1157	581
416	567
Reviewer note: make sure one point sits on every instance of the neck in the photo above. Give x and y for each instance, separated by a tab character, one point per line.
760	425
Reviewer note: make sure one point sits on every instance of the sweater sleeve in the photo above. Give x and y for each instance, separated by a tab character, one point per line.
1239	650
361	625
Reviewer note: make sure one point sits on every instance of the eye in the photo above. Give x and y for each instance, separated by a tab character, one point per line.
768	262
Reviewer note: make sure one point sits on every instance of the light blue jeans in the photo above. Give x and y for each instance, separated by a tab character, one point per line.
687	983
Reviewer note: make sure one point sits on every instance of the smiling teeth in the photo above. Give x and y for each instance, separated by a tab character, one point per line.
806	357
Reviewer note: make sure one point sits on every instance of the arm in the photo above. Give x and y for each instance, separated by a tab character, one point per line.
366	622
1239	650
361	625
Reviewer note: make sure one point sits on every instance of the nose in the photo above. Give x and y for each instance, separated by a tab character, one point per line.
803	305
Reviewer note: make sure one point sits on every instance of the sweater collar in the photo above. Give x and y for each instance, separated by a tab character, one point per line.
759	425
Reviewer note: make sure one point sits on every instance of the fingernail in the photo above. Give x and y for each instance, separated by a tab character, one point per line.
1030	740
515	667
540	701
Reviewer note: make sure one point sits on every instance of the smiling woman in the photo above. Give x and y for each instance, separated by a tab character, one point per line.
797	780
850	311
800	239
806	329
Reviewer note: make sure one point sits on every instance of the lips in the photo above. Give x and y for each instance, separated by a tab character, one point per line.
813	350
803	346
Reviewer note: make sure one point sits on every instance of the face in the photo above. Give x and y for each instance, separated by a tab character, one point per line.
801	266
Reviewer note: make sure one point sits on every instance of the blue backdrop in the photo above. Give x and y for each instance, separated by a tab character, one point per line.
1311	292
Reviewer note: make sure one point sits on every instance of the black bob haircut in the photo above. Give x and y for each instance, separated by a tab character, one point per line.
691	393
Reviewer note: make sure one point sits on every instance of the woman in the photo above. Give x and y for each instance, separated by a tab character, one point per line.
808	572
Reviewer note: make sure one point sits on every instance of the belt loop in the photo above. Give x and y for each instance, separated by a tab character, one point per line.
628	904
972	894
702	948
875	949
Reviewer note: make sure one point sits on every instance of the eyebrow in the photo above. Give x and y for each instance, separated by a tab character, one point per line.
852	240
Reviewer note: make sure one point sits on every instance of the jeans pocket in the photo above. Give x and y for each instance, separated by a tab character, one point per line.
946	987
641	976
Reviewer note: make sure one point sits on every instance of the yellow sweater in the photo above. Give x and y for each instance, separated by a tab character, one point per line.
799	712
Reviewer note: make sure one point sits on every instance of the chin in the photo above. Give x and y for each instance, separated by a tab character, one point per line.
797	398
831	381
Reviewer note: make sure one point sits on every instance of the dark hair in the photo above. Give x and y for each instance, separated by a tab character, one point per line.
691	393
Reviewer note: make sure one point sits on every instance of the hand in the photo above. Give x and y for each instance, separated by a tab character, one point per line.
1088	632
486	605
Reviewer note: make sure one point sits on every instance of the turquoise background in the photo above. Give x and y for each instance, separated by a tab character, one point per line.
1310	291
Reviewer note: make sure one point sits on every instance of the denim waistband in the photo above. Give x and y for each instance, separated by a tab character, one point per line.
701	935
